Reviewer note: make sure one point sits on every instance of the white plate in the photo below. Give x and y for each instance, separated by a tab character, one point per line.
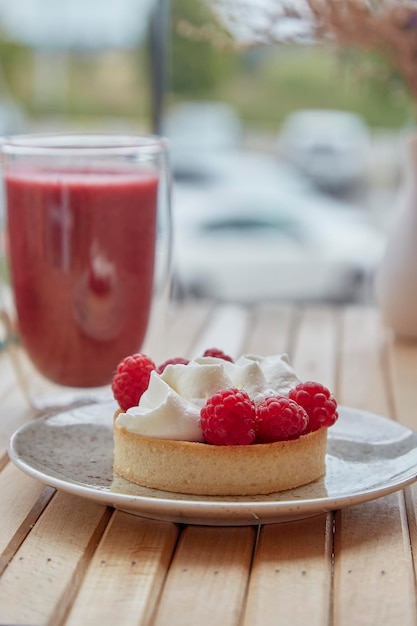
368	456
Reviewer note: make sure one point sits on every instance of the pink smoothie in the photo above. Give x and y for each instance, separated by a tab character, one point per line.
81	249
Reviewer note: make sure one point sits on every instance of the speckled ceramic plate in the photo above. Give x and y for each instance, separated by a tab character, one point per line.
368	457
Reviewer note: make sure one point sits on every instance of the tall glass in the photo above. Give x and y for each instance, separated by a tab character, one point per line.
88	247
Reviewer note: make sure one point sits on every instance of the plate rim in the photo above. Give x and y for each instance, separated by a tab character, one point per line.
211	511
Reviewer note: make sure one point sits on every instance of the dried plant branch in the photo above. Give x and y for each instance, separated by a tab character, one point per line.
386	26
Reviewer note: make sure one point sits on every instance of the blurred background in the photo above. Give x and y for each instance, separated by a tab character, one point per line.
287	158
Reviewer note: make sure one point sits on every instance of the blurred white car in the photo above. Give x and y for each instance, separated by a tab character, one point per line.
330	147
251	243
200	134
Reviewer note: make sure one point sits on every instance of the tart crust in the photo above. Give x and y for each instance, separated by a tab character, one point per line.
203	469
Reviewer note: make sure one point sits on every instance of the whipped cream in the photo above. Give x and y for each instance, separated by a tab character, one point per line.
170	407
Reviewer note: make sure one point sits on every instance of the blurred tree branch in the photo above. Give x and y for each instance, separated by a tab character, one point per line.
385	27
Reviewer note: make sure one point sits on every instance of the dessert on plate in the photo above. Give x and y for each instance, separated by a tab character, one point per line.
214	426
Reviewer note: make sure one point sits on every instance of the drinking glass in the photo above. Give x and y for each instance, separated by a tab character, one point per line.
87	251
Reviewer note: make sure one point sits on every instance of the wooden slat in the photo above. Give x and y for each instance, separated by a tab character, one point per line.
14	410
207	580
8	378
129	567
374	581
294	560
226	329
291	575
176	334
39	584
363	379
402	357
80	564
315	346
22	500
411	507
370	538
270	330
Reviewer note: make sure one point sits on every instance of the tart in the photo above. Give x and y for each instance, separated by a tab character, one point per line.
209	470
216	428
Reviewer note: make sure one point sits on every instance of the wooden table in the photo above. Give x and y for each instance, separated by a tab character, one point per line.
68	560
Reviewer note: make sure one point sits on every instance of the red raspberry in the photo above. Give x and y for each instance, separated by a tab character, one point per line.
131	379
219	354
318	402
173	361
228	418
278	419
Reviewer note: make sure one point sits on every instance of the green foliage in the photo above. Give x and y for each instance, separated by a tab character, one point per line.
16	66
285	78
264	84
196	66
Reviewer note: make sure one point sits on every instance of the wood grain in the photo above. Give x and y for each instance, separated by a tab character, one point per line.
291	575
129	566
402	369
363	377
178	331
315	346
39	584
369	588
226	329
207	580
270	330
374	578
66	561
15	411
18	514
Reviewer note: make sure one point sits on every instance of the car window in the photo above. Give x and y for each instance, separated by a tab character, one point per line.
241	226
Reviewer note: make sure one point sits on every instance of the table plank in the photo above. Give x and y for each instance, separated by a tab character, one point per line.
176	334
207	580
70	561
374	579
8	378
270	330
39	584
370	537
22	500
304	546
315	346
363	381
15	409
402	364
291	575
411	506
227	327
129	566
402	358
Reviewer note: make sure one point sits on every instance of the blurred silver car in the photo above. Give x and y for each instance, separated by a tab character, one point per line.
201	133
330	147
251	243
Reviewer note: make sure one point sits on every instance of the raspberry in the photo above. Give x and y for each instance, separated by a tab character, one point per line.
131	379
174	361
316	399
219	354
228	418
278	419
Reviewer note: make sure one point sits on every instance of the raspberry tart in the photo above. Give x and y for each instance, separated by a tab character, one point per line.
211	426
